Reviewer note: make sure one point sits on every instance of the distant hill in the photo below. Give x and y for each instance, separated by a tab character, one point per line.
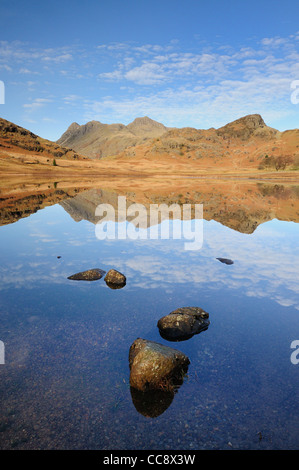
99	140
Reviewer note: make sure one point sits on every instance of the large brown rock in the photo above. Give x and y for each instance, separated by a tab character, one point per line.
183	323
154	366
114	279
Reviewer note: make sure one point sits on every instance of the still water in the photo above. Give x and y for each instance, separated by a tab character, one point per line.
65	381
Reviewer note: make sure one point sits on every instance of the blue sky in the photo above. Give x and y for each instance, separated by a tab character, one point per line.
181	62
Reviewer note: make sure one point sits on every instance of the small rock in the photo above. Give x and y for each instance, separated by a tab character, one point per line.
225	260
183	323
154	366
114	279
89	275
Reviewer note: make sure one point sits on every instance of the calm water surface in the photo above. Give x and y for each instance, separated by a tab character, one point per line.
65	382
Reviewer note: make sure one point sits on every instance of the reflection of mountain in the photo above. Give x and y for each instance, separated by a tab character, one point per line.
83	208
241	207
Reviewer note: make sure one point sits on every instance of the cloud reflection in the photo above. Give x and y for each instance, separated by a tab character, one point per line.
265	262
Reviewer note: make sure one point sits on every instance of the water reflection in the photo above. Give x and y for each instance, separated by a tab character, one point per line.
151	403
242	206
65	383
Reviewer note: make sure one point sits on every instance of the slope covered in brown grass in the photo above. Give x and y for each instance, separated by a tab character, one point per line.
245	147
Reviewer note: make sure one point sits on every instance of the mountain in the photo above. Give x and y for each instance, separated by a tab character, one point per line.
99	140
246	143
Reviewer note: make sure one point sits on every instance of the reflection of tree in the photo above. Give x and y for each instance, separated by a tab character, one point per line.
279	191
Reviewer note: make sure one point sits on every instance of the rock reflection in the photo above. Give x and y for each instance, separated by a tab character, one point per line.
115	286
151	403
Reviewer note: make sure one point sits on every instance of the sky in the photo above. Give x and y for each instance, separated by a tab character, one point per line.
185	63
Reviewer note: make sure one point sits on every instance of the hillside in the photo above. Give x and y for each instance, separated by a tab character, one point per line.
13	136
247	143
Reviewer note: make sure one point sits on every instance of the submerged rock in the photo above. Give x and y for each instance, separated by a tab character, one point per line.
154	366
114	279
225	260
183	323
89	275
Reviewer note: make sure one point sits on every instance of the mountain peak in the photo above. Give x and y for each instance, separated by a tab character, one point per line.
73	126
143	120
245	127
252	121
146	126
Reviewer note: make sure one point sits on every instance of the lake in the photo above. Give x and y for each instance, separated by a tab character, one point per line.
65	380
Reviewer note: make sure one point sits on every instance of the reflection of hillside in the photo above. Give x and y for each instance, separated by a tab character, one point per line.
279	191
240	207
24	202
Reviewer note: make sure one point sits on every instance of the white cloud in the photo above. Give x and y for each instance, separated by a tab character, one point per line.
199	88
58	59
275	42
24	70
115	75
147	74
37	103
5	67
